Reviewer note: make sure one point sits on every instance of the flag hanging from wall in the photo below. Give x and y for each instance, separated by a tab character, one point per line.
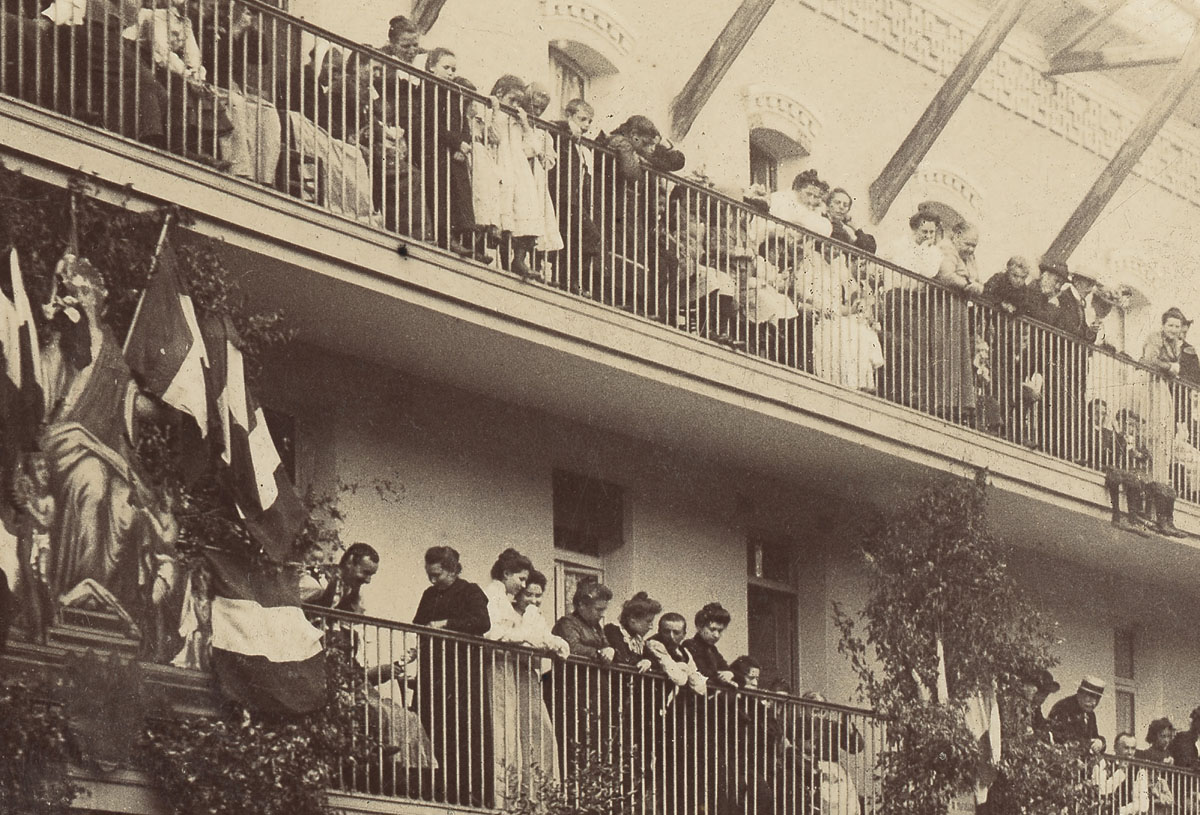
22	392
265	653
165	348
265	496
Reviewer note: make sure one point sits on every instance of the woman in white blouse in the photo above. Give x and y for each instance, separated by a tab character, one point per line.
522	734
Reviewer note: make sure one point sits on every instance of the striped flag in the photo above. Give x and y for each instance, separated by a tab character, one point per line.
22	393
164	347
265	653
262	490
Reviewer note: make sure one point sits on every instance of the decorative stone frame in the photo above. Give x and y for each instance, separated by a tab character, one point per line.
590	33
785	127
946	186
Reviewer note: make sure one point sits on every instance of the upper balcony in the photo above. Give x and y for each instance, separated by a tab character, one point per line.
693	319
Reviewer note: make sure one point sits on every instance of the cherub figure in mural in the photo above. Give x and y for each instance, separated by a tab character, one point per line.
106	519
34	513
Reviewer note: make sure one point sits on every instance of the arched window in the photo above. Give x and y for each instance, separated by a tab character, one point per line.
781	132
589	44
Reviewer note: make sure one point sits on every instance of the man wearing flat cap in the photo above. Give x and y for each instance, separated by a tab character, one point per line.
1184	747
1073	718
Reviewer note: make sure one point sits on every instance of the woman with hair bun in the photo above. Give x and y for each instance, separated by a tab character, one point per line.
519	742
637	699
451	701
711	622
716	717
628	639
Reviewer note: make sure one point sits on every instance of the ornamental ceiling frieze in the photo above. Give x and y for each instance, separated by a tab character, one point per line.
932	40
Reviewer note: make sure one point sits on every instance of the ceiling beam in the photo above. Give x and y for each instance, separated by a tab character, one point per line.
1083	22
425	13
716	63
937	115
1181	79
1073	62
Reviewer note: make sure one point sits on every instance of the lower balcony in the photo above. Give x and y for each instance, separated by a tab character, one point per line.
441	722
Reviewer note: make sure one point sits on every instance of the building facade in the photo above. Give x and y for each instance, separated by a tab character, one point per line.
610	436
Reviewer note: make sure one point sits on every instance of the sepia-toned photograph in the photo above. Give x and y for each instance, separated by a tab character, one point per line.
599	407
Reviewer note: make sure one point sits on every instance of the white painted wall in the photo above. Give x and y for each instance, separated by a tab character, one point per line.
476	475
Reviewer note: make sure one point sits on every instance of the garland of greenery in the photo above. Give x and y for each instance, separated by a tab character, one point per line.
35	748
245	762
936	571
238	761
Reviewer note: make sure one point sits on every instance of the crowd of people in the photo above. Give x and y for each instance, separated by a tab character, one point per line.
789	275
484	725
1139	787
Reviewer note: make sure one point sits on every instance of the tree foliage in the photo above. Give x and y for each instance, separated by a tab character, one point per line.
35	748
598	783
936	572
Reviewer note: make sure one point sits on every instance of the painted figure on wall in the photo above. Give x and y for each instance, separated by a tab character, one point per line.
92	533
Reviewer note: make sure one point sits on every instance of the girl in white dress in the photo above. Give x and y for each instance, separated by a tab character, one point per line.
543	160
520	214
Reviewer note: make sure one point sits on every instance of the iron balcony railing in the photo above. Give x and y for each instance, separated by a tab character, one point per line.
351	130
1125	786
462	720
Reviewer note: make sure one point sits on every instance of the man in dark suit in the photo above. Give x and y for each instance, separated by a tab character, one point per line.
1073	718
1183	746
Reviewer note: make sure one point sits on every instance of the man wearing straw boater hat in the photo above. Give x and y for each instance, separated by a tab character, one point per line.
1073	718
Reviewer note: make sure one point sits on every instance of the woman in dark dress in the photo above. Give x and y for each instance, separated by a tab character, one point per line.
450	686
637	699
580	707
717	712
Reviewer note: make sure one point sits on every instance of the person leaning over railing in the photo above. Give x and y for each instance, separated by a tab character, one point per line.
234	63
572	189
446	162
405	742
628	199
1159	734
521	740
196	111
716	722
1162	786
1073	718
582	709
450	698
837	206
1124	788
88	70
634	697
674	747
